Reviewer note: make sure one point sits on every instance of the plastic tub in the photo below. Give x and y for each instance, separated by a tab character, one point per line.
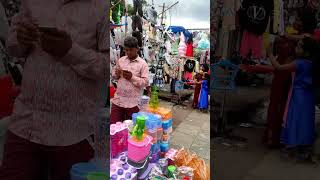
138	151
80	171
97	176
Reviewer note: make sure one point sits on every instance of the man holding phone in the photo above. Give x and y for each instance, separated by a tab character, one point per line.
132	74
66	52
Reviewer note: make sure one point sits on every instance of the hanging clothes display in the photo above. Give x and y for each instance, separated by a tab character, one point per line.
217	6
278	18
251	43
189	65
137	23
255	14
295	3
137	7
119	36
112	43
275	17
204	43
182	45
197	68
127	22
181	66
168	46
189	51
151	15
175	47
203	57
228	25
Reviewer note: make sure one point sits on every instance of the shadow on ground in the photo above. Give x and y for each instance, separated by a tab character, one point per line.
252	160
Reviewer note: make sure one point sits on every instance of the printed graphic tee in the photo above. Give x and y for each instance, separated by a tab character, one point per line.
255	14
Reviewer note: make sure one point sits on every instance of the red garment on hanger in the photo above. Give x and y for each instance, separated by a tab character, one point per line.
189	51
8	93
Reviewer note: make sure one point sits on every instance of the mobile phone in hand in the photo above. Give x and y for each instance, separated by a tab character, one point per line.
47	29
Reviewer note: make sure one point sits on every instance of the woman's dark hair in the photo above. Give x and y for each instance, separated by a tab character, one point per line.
205	67
284	47
131	42
310	48
138	36
308	18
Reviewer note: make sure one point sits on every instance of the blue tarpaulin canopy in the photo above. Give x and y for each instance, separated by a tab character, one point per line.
179	29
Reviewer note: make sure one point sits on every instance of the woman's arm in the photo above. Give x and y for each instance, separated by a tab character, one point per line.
298	37
285	67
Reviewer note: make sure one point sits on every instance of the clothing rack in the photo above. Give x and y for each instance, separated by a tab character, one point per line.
223	74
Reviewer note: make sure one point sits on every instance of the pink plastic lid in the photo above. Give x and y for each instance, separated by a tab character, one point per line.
145	142
114	128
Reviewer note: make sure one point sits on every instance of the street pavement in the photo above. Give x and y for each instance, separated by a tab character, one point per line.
252	160
191	129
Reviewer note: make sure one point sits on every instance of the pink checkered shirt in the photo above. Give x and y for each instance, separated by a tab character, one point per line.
60	98
129	93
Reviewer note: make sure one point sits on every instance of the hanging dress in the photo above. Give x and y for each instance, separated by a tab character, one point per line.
189	52
204	95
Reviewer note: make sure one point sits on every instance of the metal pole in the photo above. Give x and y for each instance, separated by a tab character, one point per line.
162	13
116	4
168	8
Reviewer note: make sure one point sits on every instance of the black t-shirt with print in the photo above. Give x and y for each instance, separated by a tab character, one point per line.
189	65
255	14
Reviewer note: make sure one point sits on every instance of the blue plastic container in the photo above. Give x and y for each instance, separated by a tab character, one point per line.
134	117
164	147
166	125
153	122
144	114
80	171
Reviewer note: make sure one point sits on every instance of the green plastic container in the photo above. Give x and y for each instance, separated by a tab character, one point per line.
98	176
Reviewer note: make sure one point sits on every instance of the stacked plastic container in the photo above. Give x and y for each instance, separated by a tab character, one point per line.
118	138
153	129
166	115
144	103
159	127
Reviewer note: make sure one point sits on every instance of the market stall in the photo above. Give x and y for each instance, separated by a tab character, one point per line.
174	54
140	148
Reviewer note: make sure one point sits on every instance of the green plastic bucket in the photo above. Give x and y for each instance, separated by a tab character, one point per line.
97	176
